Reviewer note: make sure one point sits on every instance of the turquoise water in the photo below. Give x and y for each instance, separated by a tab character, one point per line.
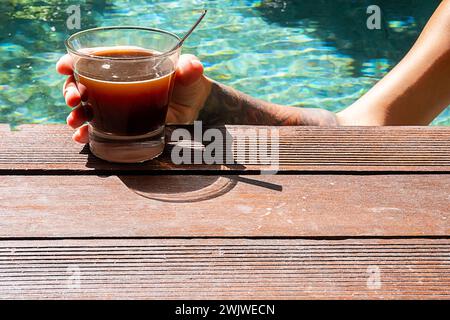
304	53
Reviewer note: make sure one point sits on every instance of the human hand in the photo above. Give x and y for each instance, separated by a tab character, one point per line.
190	92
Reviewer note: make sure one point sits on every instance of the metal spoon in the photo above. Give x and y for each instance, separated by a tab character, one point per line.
180	43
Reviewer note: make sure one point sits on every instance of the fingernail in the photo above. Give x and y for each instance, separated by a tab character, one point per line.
196	62
66	91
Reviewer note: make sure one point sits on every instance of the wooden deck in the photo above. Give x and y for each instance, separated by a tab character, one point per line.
352	213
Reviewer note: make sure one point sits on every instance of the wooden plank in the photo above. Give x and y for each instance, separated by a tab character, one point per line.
225	269
225	206
49	149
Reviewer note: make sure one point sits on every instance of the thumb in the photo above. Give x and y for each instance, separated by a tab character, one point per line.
190	69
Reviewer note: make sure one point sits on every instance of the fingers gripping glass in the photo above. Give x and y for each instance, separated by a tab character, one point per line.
125	76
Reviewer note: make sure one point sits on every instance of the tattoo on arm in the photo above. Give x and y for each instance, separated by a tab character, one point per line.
228	106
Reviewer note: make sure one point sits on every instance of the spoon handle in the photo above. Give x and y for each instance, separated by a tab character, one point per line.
180	43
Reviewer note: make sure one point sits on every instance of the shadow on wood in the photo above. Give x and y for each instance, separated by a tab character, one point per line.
190	149
176	188
179	188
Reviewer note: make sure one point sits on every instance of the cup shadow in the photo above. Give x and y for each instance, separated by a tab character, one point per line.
164	162
179	188
156	180
185	189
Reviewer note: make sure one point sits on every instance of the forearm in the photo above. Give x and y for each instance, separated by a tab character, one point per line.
226	105
417	89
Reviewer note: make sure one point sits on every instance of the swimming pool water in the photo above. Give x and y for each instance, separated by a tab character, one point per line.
305	53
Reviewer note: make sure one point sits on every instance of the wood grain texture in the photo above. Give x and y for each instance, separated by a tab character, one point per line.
52	188
225	206
225	269
49	149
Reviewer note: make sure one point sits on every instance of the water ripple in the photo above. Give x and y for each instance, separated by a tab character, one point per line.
289	63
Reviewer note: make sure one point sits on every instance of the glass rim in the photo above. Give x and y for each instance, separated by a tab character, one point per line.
72	50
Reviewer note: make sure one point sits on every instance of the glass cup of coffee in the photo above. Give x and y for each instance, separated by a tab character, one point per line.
125	76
